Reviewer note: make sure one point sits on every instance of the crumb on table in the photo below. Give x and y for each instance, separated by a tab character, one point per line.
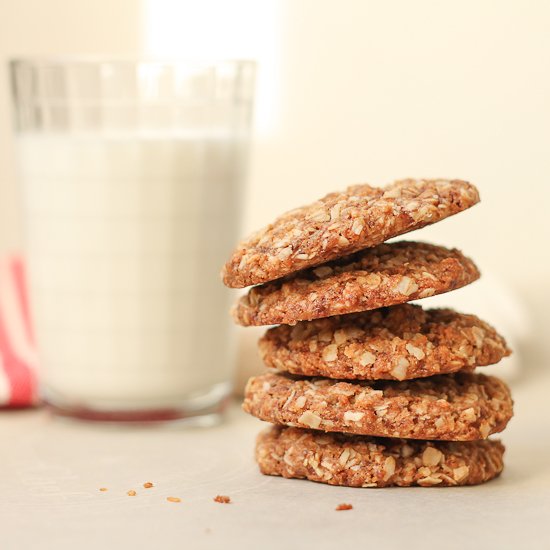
341	507
223	499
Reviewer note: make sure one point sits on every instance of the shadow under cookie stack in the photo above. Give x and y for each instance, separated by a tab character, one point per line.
365	389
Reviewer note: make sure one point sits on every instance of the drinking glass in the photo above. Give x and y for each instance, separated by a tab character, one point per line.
132	177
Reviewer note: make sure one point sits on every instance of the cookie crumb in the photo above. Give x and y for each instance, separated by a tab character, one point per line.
131	493
148	485
223	499
173	499
103	489
341	507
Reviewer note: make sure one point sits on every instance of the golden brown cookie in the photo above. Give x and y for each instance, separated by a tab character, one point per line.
455	407
385	275
394	343
362	461
342	223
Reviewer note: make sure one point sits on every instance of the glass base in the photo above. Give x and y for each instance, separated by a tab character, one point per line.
204	410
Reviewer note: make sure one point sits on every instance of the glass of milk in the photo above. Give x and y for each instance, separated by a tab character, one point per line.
132	176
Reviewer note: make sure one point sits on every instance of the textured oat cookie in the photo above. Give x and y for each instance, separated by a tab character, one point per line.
385	275
394	343
342	223
455	407
362	461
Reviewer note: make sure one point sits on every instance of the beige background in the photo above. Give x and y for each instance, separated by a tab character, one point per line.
352	91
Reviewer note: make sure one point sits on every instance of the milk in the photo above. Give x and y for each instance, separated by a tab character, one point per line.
125	239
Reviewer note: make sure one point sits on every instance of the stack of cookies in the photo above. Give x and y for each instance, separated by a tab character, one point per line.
364	389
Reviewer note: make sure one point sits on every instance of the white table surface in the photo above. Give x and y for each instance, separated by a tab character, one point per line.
52	470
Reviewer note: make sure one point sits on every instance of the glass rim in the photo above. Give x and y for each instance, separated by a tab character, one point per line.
97	60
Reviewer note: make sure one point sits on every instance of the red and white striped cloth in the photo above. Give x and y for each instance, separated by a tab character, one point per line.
18	360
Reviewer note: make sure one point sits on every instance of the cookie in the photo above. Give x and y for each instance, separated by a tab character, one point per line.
342	223
362	461
455	407
395	343
385	275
